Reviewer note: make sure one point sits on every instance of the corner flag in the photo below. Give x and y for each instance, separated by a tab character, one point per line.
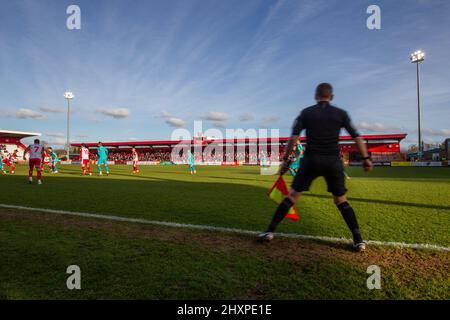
277	194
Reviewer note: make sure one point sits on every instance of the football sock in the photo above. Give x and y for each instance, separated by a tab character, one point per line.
280	213
349	216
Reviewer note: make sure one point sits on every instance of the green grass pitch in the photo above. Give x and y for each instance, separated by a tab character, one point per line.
410	205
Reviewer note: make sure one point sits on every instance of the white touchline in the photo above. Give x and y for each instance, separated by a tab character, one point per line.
228	230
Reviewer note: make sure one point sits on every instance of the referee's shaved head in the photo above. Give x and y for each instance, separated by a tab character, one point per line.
324	91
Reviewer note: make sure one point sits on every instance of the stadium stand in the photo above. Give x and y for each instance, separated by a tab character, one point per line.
11	140
383	148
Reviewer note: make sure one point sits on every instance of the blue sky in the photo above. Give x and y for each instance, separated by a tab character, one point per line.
140	69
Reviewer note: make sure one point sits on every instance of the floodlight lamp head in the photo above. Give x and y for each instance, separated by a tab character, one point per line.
68	95
417	56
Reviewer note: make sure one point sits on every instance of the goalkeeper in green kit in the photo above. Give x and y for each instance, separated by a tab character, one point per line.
55	160
102	153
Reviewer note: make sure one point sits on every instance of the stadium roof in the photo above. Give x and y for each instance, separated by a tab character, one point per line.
161	143
17	134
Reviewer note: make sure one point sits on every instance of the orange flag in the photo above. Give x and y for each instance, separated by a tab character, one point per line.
278	192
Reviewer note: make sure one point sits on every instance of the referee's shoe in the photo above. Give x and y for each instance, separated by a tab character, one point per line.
359	247
264	237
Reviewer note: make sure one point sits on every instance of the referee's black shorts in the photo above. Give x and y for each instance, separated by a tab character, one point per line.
329	167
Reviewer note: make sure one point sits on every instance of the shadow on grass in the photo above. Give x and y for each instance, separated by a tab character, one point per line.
183	188
385	202
146	197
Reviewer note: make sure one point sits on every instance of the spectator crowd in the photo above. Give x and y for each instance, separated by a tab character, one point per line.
165	155
143	156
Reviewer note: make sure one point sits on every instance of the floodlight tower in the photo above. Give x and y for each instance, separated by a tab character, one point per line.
68	96
417	57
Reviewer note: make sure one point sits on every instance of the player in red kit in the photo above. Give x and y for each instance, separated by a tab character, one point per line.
36	151
6	160
84	159
135	159
46	161
10	161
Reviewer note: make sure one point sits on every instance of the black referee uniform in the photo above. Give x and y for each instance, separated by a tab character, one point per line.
323	123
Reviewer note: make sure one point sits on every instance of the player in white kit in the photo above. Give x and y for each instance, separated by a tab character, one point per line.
135	159
36	151
84	159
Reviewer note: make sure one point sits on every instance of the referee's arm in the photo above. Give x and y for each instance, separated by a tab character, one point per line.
367	164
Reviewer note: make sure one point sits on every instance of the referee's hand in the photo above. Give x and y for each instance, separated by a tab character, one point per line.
367	165
284	167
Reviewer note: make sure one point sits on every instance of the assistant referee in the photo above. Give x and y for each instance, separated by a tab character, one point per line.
323	123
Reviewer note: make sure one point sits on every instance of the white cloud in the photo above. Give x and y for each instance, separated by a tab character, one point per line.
220	119
165	114
56	141
54	138
377	127
55	135
51	110
172	121
437	132
175	122
28	113
216	116
247	117
427	133
116	113
268	121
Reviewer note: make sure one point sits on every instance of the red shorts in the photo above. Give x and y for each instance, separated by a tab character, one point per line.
84	162
35	163
7	162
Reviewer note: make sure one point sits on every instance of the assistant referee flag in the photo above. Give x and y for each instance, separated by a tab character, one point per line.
278	192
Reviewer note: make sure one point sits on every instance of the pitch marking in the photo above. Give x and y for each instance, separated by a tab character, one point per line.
227	230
